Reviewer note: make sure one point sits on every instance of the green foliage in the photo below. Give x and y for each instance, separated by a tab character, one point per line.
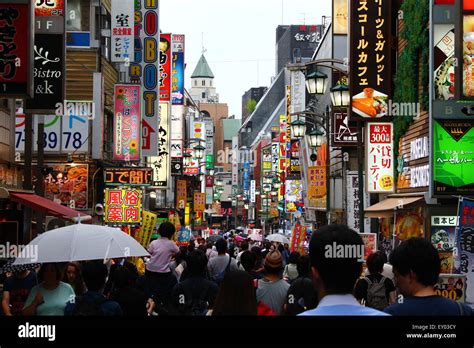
251	105
416	32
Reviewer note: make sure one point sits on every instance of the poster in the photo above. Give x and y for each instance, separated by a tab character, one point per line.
409	224
317	189
165	67
67	185
127	121
122	26
145	71
443	238
453	157
464	262
371	57
370	243
184	237
444	61
380	158
452	286
123	206
293	195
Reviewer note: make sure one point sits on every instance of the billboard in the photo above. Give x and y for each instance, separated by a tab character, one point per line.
371	57
123	207
380	158
165	67
453	157
67	185
122	26
128	176
177	70
145	69
127	119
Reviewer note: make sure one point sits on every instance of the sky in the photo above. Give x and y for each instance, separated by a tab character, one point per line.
238	36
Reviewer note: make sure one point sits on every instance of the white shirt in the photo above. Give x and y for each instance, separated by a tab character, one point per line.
339	305
387	271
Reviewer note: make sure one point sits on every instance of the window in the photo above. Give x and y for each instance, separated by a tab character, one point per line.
78	23
203	82
203	95
211	83
106	41
195	83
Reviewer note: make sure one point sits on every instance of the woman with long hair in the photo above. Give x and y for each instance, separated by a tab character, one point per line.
236	295
73	276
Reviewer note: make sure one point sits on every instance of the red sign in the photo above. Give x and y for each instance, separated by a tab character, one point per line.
123	207
297	239
15	55
209	181
165	67
49	8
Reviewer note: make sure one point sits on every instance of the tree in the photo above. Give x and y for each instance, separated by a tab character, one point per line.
251	105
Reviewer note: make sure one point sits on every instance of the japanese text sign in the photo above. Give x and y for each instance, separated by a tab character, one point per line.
380	169
177	70
127	123
122	28
128	176
181	194
199	201
165	67
123	207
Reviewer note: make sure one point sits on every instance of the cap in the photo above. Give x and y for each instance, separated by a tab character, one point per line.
274	259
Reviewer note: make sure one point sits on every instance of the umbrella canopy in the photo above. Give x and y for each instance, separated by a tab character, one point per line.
278	238
9	267
255	236
214	238
81	242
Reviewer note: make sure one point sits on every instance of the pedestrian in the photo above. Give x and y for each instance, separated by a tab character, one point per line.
248	261
301	295
387	268
222	263
126	293
93	302
334	277
73	276
416	266
272	289
283	252
210	252
290	271
51	295
196	294
16	289
158	273
259	259
236	296
118	263
244	246
178	265
375	290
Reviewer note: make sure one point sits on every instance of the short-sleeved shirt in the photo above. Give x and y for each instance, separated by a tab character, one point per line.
362	287
54	300
273	294
161	251
428	306
19	289
218	264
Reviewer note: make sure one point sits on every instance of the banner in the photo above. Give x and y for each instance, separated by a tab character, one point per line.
451	286
16	70
409	224
235	161
380	158
370	243
122	24
453	157
165	67
353	203
370	57
127	123
199	202
123	207
145	71
67	185
177	70
298	238
128	176
147	228
464	257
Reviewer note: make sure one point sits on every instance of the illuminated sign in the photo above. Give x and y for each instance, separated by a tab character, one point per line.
128	176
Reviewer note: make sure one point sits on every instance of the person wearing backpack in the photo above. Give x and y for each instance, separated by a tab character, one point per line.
218	266
93	302
375	290
301	295
195	295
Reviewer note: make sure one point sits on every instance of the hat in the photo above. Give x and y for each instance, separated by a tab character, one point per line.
274	259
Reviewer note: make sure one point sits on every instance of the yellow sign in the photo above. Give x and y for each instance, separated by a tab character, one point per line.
340	22
187	211
149	222
199	202
123	207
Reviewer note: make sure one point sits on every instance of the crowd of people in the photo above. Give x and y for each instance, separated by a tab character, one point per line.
229	278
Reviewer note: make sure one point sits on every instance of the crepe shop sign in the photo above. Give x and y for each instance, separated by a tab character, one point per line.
123	207
380	158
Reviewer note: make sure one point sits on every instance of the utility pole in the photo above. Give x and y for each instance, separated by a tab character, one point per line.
27	179
39	185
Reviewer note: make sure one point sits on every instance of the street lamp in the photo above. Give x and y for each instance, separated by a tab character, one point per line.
199	152
315	138
340	96
187	159
298	129
316	82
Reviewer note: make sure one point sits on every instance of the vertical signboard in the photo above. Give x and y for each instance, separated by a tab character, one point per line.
161	163
181	194
293	195
49	58
353	202
16	43
145	71
235	161
344	131
465	245
199	202
371	57
340	12
177	70
252	191
165	67
380	169
317	187
122	26
127	133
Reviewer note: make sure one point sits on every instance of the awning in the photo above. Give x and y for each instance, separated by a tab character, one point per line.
386	207
49	207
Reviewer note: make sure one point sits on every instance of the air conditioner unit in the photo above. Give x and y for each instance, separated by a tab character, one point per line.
53	223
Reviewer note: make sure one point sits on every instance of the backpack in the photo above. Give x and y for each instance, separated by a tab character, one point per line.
196	306
218	279
376	294
88	308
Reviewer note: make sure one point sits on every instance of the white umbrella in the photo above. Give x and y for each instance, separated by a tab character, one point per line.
79	243
255	236
278	238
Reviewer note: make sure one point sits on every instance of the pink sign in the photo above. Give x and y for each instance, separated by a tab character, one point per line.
127	121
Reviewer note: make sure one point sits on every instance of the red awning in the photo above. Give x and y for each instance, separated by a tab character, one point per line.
49	207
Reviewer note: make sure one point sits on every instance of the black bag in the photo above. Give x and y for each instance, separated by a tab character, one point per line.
218	279
88	308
